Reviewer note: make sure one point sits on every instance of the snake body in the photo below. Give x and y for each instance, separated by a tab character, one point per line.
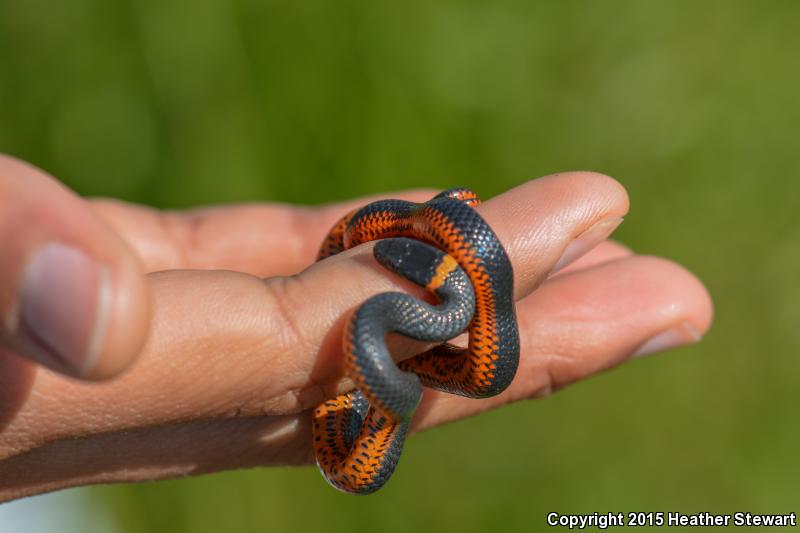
445	246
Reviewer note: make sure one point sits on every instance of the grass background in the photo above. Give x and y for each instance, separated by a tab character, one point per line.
692	105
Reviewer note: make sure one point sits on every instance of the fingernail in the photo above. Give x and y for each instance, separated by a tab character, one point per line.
680	335
63	304
587	240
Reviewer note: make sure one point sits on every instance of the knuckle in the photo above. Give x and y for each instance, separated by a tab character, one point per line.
282	292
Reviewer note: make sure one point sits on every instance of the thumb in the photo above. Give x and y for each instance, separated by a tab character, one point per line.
72	295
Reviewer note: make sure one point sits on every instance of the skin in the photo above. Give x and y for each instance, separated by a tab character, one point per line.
230	334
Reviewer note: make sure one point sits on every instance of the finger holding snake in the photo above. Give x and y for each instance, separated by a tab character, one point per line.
226	348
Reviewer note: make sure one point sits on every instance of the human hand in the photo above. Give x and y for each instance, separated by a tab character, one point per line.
238	337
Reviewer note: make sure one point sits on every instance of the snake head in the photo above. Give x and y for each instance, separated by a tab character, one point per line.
412	259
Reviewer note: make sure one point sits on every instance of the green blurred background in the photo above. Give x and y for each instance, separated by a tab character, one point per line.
692	105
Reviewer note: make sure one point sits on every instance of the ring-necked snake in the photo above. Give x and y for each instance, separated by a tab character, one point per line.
358	436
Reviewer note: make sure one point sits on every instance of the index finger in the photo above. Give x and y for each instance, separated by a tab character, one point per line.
264	240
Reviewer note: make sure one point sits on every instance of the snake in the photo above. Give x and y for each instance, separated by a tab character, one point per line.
445	246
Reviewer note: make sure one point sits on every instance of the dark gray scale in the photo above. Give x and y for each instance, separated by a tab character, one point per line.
494	259
399	392
359	414
390	459
396	393
355	417
381	209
